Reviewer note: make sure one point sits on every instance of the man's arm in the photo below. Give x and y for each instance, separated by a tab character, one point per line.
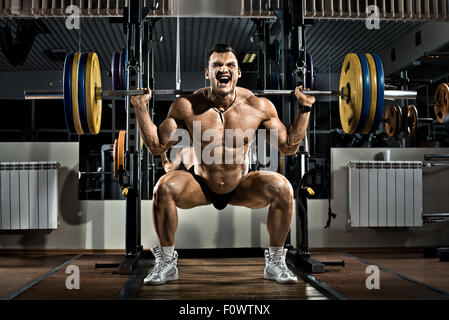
156	139
170	166
184	156
289	139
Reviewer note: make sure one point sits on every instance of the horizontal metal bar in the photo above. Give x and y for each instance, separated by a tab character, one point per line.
43	94
427	120
121	93
436	55
399	94
436	164
435	220
429	157
435	215
95	173
58	94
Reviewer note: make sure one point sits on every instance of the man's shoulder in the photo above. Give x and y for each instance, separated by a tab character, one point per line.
260	103
187	100
183	105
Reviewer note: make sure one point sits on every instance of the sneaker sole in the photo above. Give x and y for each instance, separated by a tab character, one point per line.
155	283
268	277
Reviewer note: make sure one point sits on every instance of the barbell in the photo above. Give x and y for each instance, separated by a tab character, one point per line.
361	92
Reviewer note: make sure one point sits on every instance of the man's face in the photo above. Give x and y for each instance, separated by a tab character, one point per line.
223	72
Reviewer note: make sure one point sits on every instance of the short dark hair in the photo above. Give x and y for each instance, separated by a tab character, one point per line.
220	48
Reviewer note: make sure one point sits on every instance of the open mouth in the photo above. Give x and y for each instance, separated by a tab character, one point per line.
223	79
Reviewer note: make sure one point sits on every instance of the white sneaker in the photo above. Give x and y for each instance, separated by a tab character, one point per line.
276	267
165	268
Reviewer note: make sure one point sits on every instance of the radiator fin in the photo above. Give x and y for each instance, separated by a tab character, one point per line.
385	193
29	195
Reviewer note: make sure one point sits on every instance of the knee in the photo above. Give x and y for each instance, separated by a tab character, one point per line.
281	191
164	192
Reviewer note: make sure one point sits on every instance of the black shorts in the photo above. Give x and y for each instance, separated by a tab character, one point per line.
220	201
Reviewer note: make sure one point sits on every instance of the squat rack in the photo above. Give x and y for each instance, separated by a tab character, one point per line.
137	262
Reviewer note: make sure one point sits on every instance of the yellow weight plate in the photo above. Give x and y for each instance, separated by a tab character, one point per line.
351	84
93	82
391	121
115	157
75	108
412	118
399	117
441	102
121	149
373	96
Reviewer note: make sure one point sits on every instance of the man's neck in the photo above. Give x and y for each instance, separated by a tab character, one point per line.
222	102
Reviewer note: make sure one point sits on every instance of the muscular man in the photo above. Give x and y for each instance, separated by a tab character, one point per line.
218	108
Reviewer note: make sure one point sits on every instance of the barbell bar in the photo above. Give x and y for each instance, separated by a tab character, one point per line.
43	94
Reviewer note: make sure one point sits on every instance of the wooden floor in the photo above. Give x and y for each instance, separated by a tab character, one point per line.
16	271
403	275
351	280
227	278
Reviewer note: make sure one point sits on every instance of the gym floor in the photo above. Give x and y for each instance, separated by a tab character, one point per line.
404	275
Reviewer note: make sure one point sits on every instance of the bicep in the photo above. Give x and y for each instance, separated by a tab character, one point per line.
173	122
167	130
273	124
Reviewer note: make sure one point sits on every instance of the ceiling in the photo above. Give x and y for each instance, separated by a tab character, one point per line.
327	40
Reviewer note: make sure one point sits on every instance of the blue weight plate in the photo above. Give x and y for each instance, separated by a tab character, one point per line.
310	79
67	91
366	93
82	91
114	71
125	80
380	92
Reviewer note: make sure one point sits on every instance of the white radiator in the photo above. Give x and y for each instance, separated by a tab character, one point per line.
385	193
29	195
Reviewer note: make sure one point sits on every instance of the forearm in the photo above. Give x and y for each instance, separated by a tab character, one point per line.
148	130
296	132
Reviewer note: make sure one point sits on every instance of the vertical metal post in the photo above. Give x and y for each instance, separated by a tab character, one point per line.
286	74
145	192
286	80
113	118
261	54
33	121
302	232
152	102
267	68
134	72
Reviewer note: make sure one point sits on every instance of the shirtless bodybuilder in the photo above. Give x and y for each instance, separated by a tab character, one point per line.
213	110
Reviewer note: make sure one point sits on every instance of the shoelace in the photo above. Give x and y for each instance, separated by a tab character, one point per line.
160	261
279	261
159	255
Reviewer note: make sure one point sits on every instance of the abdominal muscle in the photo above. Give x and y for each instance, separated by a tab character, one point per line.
221	177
